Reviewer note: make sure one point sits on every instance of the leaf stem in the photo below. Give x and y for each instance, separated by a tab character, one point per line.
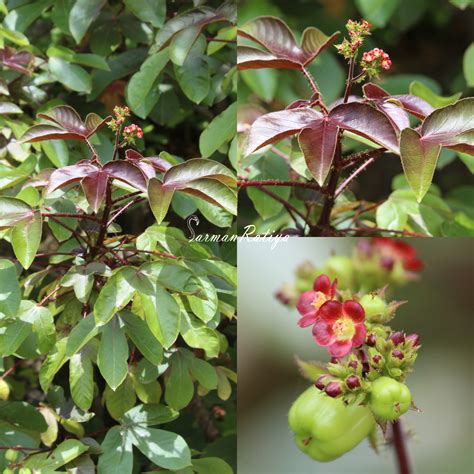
123	209
289	207
350	78
69	214
243	183
401	451
356	173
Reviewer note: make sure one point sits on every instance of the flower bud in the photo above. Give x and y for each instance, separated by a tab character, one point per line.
353	382
371	339
321	381
413	339
334	389
353	364
398	338
377	359
398	354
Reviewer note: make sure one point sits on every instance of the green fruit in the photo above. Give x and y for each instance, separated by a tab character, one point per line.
342	268
389	399
373	306
11	455
4	390
8	471
325	428
24	470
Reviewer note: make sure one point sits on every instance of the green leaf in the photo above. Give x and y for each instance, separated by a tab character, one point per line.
179	386
22	415
182	43
422	90
211	466
142	83
224	389
149	11
10	293
12	335
173	277
419	161
263	82
120	401
57	152
114	296
165	449
377	12
81	334
14	36
194	77
53	362
197	335
14	211
113	354
468	65
204	309
117	453
42	322
26	238
81	278
81	380
83	13
149	415
142	337
70	75
66	452
159	198
221	130
162	315
203	372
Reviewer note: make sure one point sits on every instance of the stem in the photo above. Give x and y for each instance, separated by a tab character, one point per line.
105	218
123	209
11	369
289	207
371	230
356	157
127	196
347	181
311	81
48	296
76	234
350	77
276	182
278	152
157	253
400	448
69	214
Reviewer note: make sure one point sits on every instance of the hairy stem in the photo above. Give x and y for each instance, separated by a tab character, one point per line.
69	214
350	78
400	448
353	175
276	182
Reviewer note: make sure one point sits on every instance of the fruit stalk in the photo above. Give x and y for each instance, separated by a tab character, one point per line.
400	448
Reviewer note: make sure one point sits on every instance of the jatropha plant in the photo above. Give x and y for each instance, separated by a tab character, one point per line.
404	125
364	384
143	323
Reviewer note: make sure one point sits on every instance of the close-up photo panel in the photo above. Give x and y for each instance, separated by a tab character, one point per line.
236	237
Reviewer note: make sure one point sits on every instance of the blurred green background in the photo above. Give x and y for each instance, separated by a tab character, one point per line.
431	45
440	308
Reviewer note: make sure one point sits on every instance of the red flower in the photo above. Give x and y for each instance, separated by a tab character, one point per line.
133	131
340	327
310	301
392	250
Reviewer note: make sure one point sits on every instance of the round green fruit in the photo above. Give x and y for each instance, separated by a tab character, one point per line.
325	428
24	470
389	399
373	305
8	471
4	390
11	455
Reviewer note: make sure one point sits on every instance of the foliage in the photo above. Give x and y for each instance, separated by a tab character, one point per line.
112	321
303	185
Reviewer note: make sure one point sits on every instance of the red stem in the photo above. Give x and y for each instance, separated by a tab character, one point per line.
347	181
69	214
350	76
276	182
400	448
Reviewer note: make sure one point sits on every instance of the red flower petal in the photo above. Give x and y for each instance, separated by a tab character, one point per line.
330	311
353	310
322	284
340	348
307	320
322	333
304	305
360	335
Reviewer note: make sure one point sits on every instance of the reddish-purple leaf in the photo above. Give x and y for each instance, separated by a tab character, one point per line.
38	133
146	169
364	120
95	186
67	118
17	61
275	36
397	116
127	172
70	174
93	122
157	162
246	116
374	92
274	126
253	58
451	126
318	143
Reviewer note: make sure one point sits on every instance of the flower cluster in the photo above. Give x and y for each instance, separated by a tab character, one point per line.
120	114
132	132
339	326
357	31
375	60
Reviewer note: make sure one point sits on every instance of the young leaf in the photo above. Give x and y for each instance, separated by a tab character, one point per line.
14	211
419	160
126	172
113	354
95	186
70	174
159	197
10	293
26	238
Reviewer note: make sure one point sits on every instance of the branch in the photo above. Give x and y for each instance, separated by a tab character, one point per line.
157	253
69	214
123	209
364	155
372	230
400	448
347	181
243	183
76	234
126	196
350	76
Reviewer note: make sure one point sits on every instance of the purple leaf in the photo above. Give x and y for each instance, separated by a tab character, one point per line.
157	162
93	122
95	186
127	172
364	120
160	199
15	60
67	118
275	36
451	126
147	169
70	174
38	133
318	144
397	116
274	126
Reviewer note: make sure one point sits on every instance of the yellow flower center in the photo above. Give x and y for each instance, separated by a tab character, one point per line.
343	329
319	299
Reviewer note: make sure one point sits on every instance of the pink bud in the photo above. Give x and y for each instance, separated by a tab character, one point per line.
333	389
398	338
353	364
320	382
371	339
353	382
398	354
414	339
